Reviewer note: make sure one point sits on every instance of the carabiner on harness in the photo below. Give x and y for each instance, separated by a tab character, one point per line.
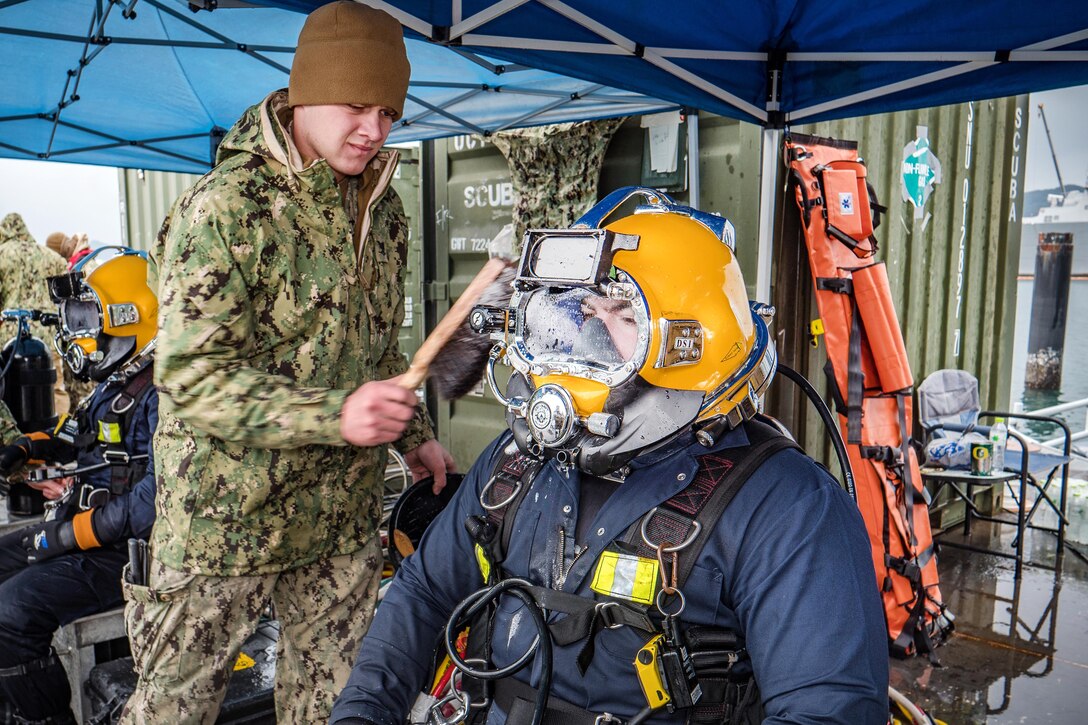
460	712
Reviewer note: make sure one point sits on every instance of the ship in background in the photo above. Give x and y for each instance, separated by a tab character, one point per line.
1066	211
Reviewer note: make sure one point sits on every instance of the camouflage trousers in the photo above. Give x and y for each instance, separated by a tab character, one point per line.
186	631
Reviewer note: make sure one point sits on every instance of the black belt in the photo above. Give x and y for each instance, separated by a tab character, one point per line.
517	700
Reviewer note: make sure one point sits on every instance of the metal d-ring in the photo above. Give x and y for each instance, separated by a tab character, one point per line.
695	529
679	594
500	504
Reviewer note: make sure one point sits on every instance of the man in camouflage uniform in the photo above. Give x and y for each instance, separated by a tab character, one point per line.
24	265
280	277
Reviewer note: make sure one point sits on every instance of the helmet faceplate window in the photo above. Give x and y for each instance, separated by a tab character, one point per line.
80	318
579	331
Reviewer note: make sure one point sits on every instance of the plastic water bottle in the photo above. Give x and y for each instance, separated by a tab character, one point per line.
999	436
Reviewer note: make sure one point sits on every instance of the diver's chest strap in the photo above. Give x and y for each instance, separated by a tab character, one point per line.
586	616
688	519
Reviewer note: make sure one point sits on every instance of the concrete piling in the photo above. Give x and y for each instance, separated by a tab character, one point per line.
1049	308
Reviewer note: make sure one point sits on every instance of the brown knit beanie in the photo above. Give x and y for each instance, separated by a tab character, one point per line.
350	53
55	241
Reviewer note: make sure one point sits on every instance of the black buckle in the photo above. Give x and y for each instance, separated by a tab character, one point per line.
884	454
116	457
840	285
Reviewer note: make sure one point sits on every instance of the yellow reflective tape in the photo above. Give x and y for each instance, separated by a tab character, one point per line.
244	662
60	422
485	565
109	432
625	576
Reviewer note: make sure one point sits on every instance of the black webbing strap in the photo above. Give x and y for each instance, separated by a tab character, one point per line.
718	479
507	489
586	616
855	378
29	668
518	701
839	285
849	405
907	476
876	207
806	203
120	413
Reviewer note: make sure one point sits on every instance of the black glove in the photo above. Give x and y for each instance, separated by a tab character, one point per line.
49	539
31	448
14	456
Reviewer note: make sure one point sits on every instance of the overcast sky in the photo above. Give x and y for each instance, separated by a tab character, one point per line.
1067	116
69	198
75	198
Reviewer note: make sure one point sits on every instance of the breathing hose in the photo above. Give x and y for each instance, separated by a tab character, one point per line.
916	714
471	605
829	423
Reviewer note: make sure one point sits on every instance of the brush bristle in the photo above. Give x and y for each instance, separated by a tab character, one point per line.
460	364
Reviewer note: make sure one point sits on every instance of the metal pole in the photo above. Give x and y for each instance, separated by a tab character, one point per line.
1049	307
693	159
768	180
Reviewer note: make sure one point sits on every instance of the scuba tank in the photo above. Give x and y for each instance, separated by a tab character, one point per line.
27	378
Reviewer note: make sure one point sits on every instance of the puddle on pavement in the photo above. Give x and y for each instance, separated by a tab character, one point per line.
1020	652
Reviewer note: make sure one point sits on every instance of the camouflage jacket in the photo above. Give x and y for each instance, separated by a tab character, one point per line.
268	318
24	265
9	431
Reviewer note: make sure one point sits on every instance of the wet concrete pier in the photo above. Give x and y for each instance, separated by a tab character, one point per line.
1020	651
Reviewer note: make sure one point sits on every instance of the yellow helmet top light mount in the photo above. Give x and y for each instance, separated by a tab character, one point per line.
108	314
623	335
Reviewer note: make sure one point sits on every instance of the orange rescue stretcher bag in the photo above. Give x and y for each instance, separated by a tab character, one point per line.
871	382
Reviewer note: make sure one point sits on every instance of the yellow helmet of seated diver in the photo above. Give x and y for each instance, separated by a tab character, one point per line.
625	335
108	313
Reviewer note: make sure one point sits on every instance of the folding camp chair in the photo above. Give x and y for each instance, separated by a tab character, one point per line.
948	404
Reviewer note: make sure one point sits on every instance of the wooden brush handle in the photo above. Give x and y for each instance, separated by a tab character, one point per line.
447	326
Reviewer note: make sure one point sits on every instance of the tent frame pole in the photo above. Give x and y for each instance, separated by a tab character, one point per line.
771	142
693	157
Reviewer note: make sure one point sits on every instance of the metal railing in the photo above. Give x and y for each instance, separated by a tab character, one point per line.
1054	410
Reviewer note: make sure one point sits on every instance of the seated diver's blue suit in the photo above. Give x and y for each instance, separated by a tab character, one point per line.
788	567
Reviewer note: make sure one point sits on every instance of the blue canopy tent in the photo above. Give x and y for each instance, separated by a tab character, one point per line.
151	84
773	62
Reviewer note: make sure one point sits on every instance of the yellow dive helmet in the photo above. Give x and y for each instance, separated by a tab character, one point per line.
108	314
623	336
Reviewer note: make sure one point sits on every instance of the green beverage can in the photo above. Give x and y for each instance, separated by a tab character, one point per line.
982	458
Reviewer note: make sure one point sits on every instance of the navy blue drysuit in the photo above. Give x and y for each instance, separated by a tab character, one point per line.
788	567
37	599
